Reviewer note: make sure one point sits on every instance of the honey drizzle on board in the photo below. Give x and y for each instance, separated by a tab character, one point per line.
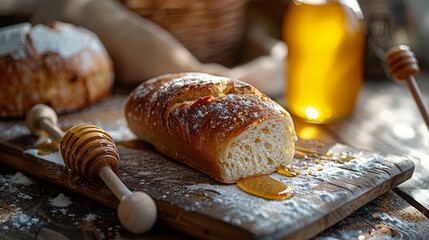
287	171
266	187
47	147
305	157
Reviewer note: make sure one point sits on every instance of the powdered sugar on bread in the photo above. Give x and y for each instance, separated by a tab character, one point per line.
64	39
220	126
13	40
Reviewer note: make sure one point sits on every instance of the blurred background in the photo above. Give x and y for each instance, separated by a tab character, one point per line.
214	31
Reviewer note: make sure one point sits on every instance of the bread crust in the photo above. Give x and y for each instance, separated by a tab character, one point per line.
192	117
32	74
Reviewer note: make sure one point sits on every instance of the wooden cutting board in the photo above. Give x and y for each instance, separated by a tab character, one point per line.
325	191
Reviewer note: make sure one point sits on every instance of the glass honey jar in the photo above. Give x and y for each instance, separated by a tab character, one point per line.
324	71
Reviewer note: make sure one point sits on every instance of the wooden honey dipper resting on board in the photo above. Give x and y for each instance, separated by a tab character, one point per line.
91	153
403	66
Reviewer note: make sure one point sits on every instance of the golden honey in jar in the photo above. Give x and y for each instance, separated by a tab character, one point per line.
325	59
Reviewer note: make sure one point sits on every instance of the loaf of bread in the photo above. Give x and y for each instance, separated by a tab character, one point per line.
58	64
223	127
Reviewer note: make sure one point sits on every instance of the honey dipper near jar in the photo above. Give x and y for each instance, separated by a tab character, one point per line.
325	39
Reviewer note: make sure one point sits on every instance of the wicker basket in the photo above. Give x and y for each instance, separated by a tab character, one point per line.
212	30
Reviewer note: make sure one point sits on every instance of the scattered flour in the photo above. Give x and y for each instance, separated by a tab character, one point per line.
325	185
90	217
240	208
18	178
60	201
329	196
14	130
54	157
63	211
20	219
384	217
24	196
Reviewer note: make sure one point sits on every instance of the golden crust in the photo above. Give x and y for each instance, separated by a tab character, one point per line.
191	117
64	83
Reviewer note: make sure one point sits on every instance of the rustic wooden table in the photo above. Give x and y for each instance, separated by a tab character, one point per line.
386	120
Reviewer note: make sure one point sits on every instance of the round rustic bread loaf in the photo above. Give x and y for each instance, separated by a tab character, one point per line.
57	64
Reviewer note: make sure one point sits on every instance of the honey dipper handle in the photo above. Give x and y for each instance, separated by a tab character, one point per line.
403	66
137	210
415	91
52	129
113	182
42	118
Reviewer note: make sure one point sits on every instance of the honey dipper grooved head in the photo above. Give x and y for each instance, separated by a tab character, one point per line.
87	148
402	62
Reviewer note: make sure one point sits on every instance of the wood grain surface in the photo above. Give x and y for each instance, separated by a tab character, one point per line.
397	128
324	193
387	217
27	212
